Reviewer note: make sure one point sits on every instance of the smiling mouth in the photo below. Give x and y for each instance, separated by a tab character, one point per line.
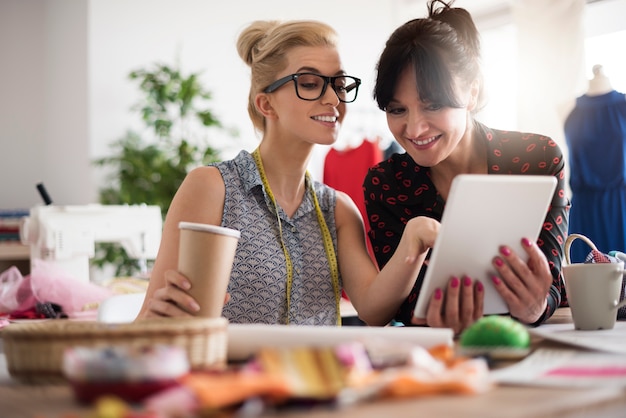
426	141
331	119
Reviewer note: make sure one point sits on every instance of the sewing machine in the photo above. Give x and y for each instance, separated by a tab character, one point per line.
66	235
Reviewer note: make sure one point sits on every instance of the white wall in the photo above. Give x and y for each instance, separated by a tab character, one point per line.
21	98
43	102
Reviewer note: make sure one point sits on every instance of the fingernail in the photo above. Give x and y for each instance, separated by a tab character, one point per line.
496	280
499	262
455	282
194	306
526	242
479	286
467	281
505	250
186	285
438	294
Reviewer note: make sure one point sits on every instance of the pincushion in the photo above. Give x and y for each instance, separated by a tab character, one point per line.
496	336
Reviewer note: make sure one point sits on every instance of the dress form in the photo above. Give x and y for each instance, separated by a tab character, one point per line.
600	83
595	132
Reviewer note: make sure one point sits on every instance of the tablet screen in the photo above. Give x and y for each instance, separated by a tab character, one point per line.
482	213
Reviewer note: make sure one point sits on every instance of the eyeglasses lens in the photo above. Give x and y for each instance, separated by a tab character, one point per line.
311	87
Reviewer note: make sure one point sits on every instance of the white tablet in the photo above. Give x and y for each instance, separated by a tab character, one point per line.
482	213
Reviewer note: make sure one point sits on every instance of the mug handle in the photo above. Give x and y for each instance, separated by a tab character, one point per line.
568	243
618	305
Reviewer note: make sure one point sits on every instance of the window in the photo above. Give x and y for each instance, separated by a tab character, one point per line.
608	51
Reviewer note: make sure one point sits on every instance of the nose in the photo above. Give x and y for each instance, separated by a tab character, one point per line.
330	96
416	123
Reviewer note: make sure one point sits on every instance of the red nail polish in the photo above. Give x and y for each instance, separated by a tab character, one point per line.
496	280
499	262
526	242
467	281
505	251
454	282
438	294
479	286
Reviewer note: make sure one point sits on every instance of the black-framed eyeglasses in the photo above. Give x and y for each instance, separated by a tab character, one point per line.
311	86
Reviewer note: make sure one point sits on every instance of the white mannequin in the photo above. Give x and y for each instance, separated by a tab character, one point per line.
600	83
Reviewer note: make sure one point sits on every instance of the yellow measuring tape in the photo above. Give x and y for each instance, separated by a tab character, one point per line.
328	241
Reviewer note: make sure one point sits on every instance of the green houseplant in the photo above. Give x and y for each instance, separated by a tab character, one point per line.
149	168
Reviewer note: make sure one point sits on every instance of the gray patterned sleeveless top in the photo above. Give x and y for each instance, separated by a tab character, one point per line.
259	277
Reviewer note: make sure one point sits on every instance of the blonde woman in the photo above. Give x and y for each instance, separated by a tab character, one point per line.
301	241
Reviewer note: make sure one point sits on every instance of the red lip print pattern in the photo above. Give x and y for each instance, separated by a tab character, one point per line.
397	190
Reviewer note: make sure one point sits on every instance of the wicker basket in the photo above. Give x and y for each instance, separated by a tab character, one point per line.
34	351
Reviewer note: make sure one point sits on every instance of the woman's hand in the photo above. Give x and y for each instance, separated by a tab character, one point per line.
523	285
172	300
420	232
458	308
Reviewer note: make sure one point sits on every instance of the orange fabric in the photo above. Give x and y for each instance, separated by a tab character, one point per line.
222	390
446	355
299	373
461	376
406	386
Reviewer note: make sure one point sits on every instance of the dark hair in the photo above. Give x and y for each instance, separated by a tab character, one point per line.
439	48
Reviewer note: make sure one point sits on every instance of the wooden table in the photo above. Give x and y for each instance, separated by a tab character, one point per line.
56	401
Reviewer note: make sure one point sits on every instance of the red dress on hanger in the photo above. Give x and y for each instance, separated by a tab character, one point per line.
345	170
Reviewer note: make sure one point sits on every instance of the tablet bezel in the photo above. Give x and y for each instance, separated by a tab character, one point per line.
517	204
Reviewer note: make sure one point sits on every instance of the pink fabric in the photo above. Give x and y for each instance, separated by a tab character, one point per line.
51	284
15	291
599	257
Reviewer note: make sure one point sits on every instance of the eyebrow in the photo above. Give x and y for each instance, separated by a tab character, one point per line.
317	71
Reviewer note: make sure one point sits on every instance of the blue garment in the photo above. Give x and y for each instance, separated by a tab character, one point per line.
258	279
595	132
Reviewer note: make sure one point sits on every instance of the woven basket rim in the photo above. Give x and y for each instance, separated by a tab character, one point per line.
34	351
72	328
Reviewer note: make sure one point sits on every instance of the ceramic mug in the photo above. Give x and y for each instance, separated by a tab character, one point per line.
593	290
